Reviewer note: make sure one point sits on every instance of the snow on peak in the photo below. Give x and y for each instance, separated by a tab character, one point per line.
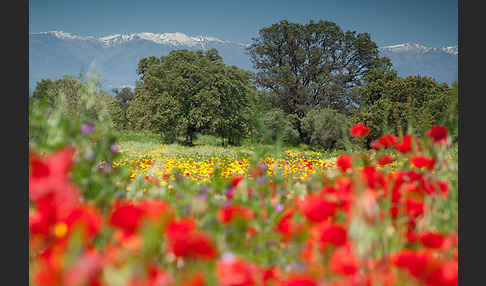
115	39
406	47
64	35
175	39
453	50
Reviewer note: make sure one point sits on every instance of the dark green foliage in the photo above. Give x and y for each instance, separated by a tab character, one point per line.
41	91
278	126
401	105
451	119
312	66
65	94
326	128
188	92
119	106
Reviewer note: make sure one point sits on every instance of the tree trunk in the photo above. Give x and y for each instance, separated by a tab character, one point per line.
189	137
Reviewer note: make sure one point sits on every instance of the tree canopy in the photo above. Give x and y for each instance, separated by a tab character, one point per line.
314	65
188	92
394	104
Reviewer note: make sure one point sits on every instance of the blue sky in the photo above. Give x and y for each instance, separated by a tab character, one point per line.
428	22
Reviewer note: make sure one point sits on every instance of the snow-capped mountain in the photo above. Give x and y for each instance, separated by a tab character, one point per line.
440	63
417	48
56	53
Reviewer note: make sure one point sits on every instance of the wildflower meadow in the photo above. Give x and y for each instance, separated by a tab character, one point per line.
103	212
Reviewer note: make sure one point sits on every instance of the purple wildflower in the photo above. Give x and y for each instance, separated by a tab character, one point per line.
278	208
115	148
87	128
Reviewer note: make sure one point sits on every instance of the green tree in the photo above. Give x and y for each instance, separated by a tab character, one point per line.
122	99
42	91
314	65
188	92
398	105
451	119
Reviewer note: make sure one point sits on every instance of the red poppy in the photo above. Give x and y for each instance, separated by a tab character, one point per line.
237	272
284	225
38	225
375	144
432	239
438	133
87	217
414	208
359	130
419	264
227	214
445	275
193	244
388	140
385	159
127	216
153	209
298	280
270	275
411	235
181	226
316	208
235	181
444	187
48	171
343	262
344	162
373	177
57	202
421	161
333	234
406	145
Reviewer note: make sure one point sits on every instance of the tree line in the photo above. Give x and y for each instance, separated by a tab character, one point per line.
312	82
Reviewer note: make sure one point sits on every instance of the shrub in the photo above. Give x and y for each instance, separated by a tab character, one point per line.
277	126
326	128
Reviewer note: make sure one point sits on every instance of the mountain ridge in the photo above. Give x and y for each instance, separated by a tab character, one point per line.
56	53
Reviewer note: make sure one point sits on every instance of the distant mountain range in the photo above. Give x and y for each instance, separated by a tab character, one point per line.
55	53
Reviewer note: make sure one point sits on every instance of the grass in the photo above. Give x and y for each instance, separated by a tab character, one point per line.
142	142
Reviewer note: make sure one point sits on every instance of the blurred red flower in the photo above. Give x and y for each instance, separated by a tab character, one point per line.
332	234
184	240
385	159
445	275
421	161
344	162
405	145
343	262
49	171
127	216
359	130
438	133
229	213
237	272
432	239
298	280
87	217
414	208
316	208
235	181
